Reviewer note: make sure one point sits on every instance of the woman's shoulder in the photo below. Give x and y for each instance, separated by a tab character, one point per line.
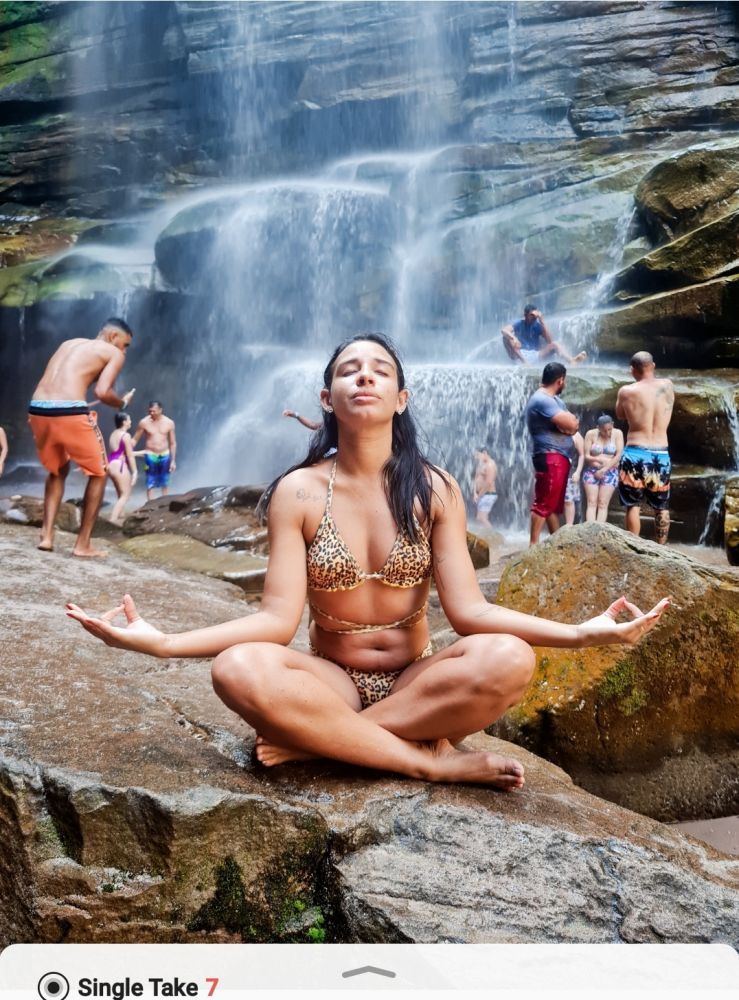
444	490
305	484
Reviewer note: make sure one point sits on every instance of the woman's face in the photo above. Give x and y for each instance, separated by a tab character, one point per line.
126	425
606	429
364	384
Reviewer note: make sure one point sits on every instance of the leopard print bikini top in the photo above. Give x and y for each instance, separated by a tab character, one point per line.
331	566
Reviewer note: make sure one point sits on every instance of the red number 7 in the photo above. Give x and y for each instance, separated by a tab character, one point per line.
213	984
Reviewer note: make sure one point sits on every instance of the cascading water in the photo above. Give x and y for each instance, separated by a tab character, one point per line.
401	220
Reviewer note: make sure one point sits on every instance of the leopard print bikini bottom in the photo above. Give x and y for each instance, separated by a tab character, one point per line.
373	685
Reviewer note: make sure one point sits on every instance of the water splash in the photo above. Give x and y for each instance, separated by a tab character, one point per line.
459	408
712	516
582	329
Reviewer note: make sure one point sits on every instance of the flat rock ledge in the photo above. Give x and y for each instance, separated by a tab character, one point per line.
131	809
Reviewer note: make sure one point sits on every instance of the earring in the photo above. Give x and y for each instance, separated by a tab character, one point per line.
330	409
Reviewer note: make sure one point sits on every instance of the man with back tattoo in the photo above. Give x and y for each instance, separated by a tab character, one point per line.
644	470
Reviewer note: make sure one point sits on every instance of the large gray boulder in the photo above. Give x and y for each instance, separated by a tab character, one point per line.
131	810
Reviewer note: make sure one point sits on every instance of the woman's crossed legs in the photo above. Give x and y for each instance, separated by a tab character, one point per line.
304	706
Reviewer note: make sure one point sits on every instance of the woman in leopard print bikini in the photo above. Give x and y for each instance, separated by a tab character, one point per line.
371	691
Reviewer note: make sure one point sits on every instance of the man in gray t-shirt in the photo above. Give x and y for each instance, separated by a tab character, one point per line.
551	426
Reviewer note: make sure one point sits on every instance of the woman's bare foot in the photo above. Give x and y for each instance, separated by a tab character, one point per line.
474	767
270	754
582	356
45	546
89	553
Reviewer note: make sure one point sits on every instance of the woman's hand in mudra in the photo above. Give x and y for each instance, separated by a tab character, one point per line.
604	630
138	635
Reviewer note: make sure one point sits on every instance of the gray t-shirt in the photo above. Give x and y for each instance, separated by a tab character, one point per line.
540	409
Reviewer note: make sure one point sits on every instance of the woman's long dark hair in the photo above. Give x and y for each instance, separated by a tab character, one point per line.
406	474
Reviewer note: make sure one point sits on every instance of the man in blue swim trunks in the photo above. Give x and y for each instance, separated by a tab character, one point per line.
160	456
523	340
644	470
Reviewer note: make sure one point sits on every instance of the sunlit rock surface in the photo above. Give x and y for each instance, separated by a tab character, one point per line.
131	809
653	727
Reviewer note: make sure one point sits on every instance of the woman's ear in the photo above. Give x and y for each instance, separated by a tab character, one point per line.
403	396
326	401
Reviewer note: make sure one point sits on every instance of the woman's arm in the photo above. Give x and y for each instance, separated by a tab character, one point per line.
128	448
589	442
469	613
276	621
577	440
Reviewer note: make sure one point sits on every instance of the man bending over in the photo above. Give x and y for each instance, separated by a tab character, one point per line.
65	428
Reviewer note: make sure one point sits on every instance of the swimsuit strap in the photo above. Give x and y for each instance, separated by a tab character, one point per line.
358	629
330	494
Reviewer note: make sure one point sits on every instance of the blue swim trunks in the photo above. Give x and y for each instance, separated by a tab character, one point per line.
157	469
644	474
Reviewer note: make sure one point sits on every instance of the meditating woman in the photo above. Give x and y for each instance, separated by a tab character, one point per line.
121	465
603	448
362	532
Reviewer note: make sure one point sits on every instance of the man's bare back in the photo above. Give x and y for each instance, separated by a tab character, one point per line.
76	364
65	429
647	406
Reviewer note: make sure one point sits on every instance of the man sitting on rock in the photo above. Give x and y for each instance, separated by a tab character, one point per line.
522	340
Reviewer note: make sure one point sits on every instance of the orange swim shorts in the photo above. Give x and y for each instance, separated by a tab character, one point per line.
63	435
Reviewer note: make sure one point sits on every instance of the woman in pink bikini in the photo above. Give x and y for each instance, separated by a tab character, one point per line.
121	465
361	534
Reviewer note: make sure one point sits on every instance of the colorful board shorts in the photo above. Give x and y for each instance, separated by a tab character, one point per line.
66	430
552	471
644	474
610	478
486	503
157	469
572	492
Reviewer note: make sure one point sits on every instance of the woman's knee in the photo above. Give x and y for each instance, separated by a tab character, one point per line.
500	666
244	673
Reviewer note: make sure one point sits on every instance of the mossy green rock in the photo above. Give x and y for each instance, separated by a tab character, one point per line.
630	722
712	251
687	190
693	326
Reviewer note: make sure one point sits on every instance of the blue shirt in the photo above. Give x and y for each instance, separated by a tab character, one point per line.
540	409
528	333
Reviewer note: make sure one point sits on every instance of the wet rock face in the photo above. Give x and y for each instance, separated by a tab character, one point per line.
132	810
653	727
221	516
731	521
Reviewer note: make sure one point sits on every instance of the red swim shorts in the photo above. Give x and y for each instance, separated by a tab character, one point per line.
72	436
550	484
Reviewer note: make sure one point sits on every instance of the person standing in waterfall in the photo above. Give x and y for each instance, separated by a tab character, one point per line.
645	467
361	534
484	493
64	425
523	340
160	456
551	426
